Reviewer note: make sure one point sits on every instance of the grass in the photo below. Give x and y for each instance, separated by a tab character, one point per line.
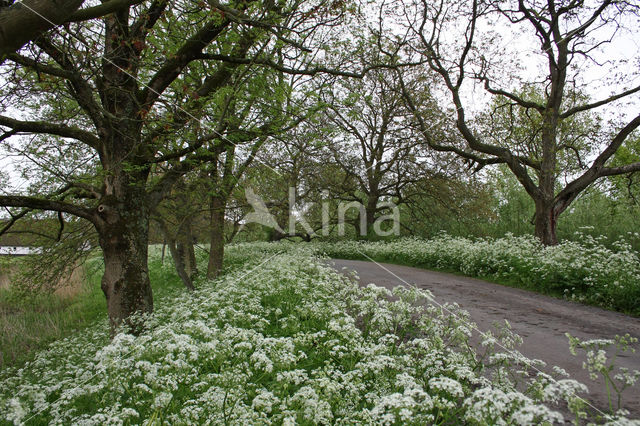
29	324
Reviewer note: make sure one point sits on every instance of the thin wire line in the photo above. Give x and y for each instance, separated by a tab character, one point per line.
482	333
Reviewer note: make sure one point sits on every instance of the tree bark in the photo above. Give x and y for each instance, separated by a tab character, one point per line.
185	249
180	265
216	229
26	20
178	258
364	227
371	208
546	222
123	235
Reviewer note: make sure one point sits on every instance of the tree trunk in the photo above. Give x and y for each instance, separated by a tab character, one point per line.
372	204
216	229
177	254
234	232
546	222
365	227
179	264
125	206
185	249
124	241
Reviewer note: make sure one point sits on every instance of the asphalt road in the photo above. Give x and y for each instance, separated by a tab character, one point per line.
540	320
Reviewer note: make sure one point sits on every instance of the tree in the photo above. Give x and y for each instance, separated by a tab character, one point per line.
250	121
175	217
223	174
120	92
291	182
455	203
370	139
567	32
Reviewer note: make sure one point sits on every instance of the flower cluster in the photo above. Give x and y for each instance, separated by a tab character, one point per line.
282	339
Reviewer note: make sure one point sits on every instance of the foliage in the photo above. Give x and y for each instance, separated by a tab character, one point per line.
29	324
583	270
616	379
284	339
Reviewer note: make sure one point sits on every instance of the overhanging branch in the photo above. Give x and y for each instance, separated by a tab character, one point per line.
43	127
36	203
297	71
593	105
101	10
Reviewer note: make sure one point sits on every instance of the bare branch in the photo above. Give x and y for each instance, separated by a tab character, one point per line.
621	170
610	99
51	129
38	67
13	220
50	205
104	9
305	71
517	99
598	169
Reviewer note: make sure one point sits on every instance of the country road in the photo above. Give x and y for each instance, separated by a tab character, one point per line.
540	320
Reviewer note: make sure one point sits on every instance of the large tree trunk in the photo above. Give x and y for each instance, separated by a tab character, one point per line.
546	222
546	216
216	229
125	206
364	227
124	241
372	204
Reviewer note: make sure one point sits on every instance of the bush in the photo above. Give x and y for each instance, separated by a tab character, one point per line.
291	342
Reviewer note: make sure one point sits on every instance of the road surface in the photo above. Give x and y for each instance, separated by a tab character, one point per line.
540	320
